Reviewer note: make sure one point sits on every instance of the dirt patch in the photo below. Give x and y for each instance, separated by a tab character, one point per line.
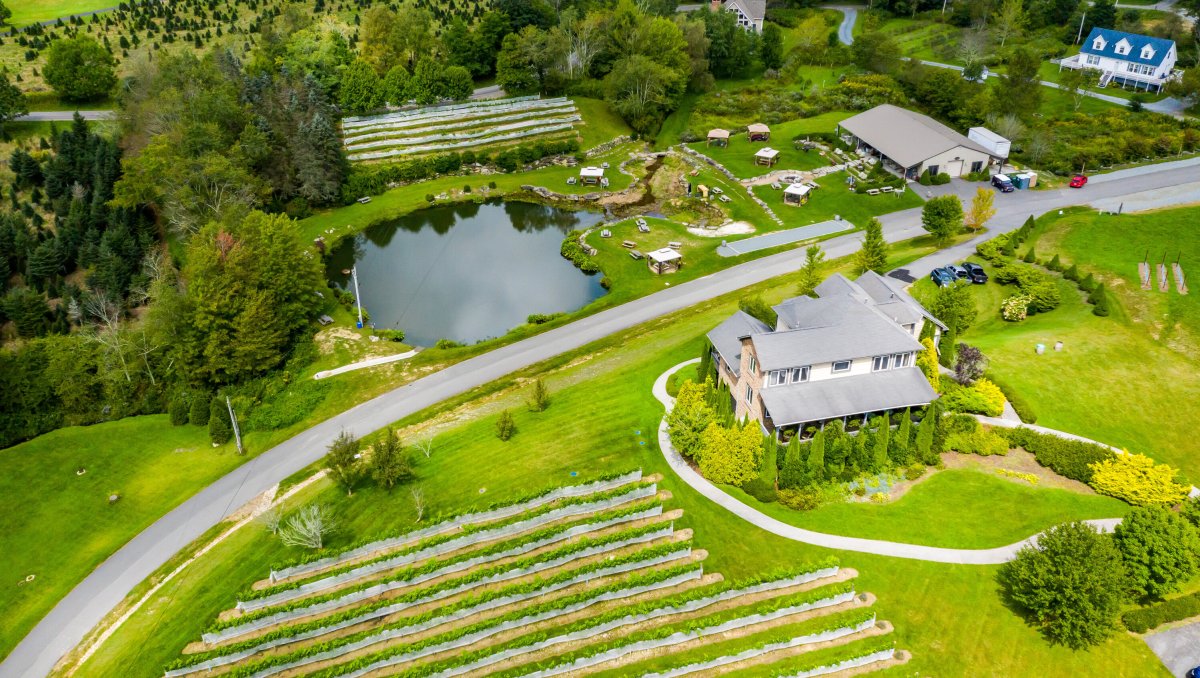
1017	460
730	228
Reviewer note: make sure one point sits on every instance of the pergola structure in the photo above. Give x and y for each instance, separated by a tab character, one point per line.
796	194
591	175
719	137
758	132
766	156
665	260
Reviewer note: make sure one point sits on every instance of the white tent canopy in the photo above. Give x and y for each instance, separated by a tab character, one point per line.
591	172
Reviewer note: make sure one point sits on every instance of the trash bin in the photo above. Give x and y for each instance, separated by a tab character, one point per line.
1040	348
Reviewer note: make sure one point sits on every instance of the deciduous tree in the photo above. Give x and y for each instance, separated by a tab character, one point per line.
982	209
1071	584
942	217
80	69
12	102
690	417
389	463
1160	549
343	463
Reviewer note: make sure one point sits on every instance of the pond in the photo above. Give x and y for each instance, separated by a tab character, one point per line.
466	272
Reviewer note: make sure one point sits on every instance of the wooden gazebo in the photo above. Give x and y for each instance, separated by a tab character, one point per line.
665	260
758	132
720	137
796	194
766	156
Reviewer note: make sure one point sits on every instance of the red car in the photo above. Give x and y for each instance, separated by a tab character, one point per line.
1078	181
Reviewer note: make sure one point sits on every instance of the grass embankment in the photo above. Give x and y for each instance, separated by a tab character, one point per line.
602	419
834	199
953	508
1128	379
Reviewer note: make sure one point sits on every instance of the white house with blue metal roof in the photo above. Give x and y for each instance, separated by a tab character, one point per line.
1127	59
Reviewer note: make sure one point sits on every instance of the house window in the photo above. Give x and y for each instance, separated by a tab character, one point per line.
1098	44
841	366
1093	60
880	362
1147	52
749	395
900	360
933	170
977	166
799	374
753	365
1122	47
777	378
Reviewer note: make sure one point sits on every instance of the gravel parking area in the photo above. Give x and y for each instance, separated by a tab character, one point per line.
1178	648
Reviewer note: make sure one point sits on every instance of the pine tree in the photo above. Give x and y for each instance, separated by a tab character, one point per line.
1088	283
934	415
506	426
873	255
816	457
949	346
540	399
1055	264
770	462
1100	301
199	412
924	444
1072	273
219	428
1030	256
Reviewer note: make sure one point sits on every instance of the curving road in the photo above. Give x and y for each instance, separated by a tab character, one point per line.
103	589
849	16
877	547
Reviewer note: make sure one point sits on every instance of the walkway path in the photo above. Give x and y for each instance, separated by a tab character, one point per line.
64	116
877	547
363	364
103	589
791	235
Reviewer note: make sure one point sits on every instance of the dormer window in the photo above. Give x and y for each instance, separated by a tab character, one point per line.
1098	44
1147	52
1123	46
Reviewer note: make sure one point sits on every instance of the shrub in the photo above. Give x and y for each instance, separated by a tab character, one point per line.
1136	479
1072	273
1055	264
914	471
1146	618
755	487
199	411
429	197
390	335
467	188
572	251
1023	408
1068	458
1030	256
982	397
542	318
506	426
178	410
219	429
924	179
1088	283
447	344
1161	550
940	179
1015	308
540	399
801	498
980	441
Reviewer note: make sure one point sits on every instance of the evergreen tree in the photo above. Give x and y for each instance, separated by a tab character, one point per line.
1100	301
361	90
769	469
705	369
343	463
1055	264
934	415
1072	273
901	443
793	472
873	254
389	463
1030	256
200	410
859	455
219	428
178	411
395	86
1088	283
540	399
883	431
506	426
810	274
816	457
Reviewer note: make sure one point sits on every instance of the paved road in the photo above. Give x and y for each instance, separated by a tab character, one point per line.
849	16
1001	554
60	116
107	586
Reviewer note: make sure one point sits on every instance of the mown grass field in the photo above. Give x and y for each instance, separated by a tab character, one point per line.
1128	379
602	418
834	199
25	12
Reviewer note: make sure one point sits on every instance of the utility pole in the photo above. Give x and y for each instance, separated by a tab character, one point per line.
357	297
237	432
1079	36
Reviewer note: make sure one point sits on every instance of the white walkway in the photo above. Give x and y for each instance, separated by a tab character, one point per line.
881	548
372	362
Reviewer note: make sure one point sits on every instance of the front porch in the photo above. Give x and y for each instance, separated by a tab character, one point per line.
851	423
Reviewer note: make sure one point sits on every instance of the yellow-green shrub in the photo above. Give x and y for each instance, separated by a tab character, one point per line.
1136	479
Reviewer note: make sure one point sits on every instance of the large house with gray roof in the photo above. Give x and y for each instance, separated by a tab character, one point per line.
910	143
849	352
1127	59
750	13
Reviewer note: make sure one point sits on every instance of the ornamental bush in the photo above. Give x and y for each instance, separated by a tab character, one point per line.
1136	479
981	441
731	455
1015	308
1161	550
506	426
982	397
1068	458
801	498
199	411
178	410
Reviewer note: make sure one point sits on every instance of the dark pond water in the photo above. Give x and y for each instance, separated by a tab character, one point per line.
466	272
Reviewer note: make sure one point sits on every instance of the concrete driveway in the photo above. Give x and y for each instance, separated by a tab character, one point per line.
1178	648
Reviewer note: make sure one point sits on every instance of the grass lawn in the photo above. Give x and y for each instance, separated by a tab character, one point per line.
923	39
1129	379
25	12
64	525
955	508
600	123
832	199
738	157
602	418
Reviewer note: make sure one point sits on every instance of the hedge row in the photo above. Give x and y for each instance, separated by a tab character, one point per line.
1067	458
471	531
655	555
580	599
1143	619
453	521
1023	408
399	579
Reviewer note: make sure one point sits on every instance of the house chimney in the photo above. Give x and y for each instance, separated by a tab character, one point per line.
716	5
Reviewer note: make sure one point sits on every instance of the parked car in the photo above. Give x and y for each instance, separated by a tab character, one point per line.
941	277
975	273
1003	183
959	272
1078	181
1194	673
